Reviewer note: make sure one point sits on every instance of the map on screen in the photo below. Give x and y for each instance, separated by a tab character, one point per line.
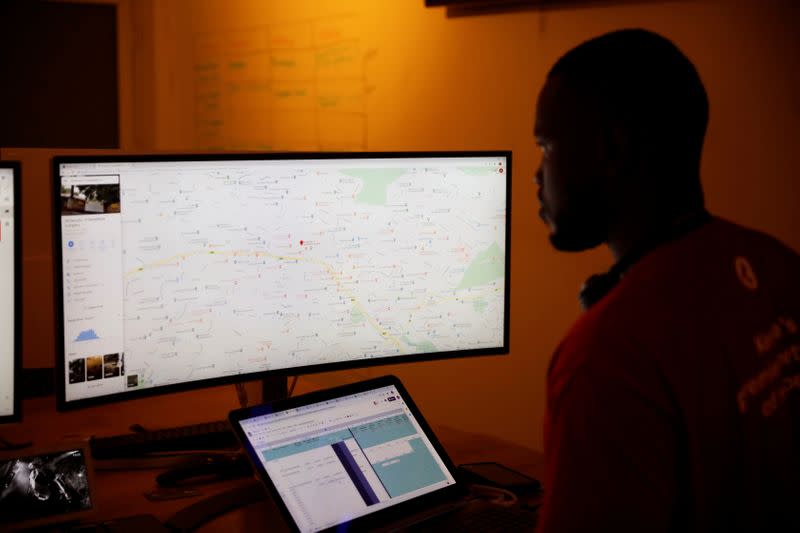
176	271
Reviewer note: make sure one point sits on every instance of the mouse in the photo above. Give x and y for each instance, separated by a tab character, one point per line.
206	468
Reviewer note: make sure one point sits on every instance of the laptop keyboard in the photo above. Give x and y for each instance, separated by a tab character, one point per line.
484	519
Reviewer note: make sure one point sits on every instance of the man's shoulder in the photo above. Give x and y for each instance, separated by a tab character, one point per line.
598	338
712	258
677	288
734	232
723	237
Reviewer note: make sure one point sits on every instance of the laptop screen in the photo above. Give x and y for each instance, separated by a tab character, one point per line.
346	457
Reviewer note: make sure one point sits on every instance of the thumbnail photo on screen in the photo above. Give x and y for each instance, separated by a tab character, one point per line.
89	199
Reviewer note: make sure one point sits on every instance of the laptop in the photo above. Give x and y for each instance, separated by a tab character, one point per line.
46	486
357	457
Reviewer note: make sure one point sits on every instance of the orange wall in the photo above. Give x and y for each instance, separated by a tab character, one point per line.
429	82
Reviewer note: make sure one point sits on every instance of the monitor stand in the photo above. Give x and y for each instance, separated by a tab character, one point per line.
274	388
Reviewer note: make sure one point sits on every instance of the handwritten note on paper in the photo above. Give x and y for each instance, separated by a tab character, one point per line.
293	86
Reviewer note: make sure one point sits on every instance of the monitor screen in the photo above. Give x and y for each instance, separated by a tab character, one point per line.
184	271
10	288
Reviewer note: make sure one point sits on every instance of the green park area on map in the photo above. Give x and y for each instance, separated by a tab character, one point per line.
376	181
357	316
424	346
478	171
488	266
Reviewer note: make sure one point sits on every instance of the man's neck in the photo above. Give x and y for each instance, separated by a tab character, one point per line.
639	231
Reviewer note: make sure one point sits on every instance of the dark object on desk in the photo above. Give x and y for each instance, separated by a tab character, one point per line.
497	475
129	524
204	468
134	524
477	517
170	493
7	445
199	513
205	436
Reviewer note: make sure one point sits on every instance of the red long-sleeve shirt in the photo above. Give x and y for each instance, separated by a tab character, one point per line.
673	404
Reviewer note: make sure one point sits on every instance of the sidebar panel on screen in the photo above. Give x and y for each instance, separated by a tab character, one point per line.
91	227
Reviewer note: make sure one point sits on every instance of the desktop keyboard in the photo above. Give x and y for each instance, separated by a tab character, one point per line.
206	436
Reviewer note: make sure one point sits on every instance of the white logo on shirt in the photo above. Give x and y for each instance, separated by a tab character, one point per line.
744	270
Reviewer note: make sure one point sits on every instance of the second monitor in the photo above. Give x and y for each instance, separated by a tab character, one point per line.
185	271
10	292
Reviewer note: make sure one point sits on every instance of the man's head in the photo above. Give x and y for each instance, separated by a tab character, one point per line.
620	121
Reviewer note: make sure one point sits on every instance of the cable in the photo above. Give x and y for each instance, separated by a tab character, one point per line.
494	495
8	445
291	387
241	393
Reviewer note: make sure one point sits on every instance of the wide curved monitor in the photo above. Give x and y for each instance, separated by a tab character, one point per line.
11	291
175	272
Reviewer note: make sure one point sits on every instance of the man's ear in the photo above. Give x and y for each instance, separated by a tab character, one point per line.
618	153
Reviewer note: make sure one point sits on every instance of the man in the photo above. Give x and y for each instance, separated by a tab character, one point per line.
673	403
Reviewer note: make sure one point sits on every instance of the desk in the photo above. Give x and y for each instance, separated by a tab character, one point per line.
121	492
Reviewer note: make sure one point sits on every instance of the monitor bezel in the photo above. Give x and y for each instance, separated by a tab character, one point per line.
16	179
63	405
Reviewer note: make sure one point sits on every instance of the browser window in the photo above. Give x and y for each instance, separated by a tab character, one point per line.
182	271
